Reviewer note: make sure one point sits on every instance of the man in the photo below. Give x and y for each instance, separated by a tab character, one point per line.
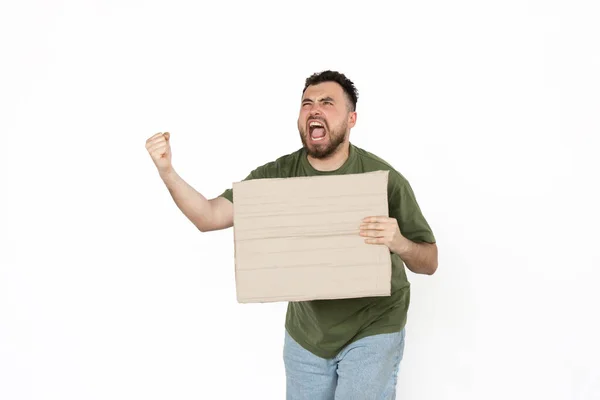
334	349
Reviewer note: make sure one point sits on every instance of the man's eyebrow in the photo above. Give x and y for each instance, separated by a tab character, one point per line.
327	98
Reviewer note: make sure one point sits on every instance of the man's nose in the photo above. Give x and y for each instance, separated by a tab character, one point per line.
315	110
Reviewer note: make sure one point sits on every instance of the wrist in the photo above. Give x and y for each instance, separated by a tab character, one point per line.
404	247
167	174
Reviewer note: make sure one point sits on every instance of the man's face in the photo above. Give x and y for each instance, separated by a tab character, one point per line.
325	119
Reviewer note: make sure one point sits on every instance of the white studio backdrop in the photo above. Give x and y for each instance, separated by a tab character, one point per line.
489	109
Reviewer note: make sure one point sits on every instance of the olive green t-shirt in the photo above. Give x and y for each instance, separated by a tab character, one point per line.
324	327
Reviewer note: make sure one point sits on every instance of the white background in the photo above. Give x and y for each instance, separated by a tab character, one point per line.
490	109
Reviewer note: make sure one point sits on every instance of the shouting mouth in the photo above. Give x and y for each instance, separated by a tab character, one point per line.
316	130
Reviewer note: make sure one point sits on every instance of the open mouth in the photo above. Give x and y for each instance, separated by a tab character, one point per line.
316	130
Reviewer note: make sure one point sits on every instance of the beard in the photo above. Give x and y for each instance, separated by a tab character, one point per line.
330	144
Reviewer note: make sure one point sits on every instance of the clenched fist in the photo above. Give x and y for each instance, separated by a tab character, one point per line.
160	150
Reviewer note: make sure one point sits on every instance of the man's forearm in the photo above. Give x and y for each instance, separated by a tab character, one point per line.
420	258
191	203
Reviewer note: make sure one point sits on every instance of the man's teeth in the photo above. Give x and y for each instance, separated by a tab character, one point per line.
313	126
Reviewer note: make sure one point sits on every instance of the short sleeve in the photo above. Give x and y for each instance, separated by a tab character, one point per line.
255	174
404	207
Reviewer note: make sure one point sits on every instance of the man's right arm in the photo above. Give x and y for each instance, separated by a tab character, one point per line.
206	215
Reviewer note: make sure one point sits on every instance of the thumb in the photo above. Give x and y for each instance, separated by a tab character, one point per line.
167	135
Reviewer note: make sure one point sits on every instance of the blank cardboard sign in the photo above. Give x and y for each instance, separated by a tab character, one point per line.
298	238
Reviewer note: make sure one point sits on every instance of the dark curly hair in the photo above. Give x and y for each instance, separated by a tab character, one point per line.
334	76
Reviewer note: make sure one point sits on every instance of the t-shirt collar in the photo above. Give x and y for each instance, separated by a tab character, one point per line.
341	170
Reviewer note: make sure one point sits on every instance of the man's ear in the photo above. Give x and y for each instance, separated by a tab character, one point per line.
352	119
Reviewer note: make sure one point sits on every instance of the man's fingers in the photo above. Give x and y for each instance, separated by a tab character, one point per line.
158	147
371	233
376	226
151	138
376	218
157	140
374	241
158	137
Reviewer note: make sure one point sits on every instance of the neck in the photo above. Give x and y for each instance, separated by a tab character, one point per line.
332	162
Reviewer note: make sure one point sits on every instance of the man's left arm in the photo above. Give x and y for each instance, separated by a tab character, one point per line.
405	231
419	257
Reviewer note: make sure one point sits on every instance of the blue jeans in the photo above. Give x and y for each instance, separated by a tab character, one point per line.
364	370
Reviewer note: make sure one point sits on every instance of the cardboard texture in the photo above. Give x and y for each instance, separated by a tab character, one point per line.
298	239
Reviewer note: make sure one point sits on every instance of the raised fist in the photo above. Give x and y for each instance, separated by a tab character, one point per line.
160	150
